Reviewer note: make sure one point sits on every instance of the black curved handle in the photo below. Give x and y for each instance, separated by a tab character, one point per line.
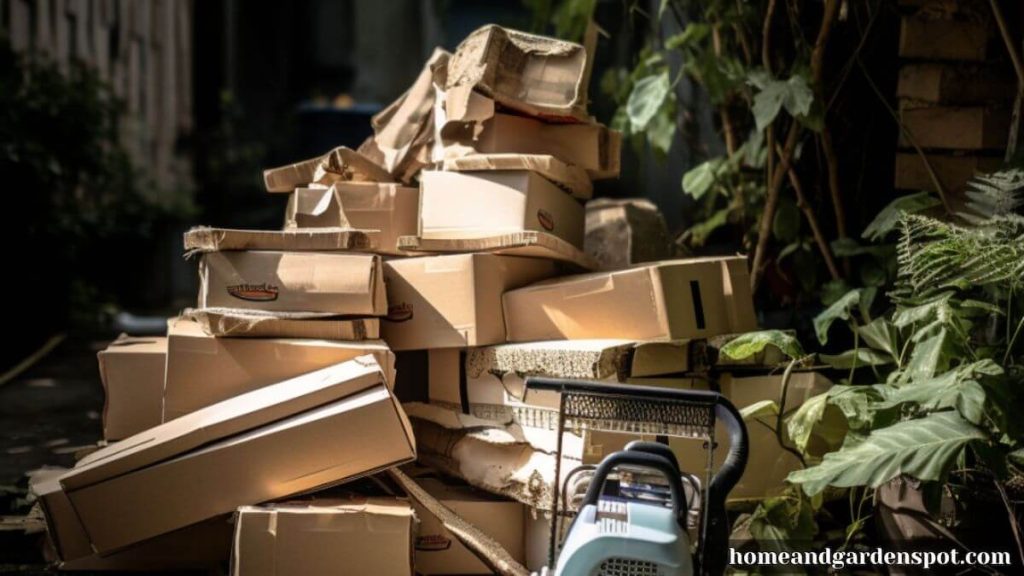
646	460
715	541
655	448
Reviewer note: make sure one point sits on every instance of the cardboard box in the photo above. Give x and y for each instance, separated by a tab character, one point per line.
930	38
132	371
955	83
568	177
206	239
453	301
309	432
439	552
537	75
203	370
339	165
242	323
340	283
390	209
530	244
457	205
202	546
672	299
623	233
325	536
953	172
955	128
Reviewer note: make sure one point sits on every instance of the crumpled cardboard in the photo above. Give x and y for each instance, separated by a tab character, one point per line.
312	431
536	75
339	165
206	239
132	371
389	210
243	323
323	536
530	243
568	177
457	205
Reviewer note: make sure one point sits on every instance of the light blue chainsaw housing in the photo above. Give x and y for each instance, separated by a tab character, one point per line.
646	541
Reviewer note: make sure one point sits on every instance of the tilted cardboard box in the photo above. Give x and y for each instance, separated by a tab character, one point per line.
568	177
309	432
132	370
439	552
339	165
325	536
203	370
242	323
672	299
482	204
453	301
390	209
341	283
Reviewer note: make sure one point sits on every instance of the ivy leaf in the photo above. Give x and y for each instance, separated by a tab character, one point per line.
699	179
795	95
662	128
699	233
839	310
923	448
859	357
786	225
648	94
694	32
752	343
888	219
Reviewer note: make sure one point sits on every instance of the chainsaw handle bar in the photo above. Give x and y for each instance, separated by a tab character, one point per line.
645	460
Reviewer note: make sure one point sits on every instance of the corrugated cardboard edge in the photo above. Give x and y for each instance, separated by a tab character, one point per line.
341	163
527	243
244	323
556	362
207	239
568	177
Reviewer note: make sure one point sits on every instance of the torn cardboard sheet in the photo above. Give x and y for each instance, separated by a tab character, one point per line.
319	536
672	299
530	244
568	177
537	75
243	323
339	165
132	371
457	205
454	300
340	283
309	432
203	370
390	210
206	239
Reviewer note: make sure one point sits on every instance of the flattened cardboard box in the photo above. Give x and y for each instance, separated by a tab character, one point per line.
568	177
439	552
531	244
242	323
206	239
202	546
340	283
309	432
325	536
456	205
203	370
339	165
453	301
389	209
132	371
672	299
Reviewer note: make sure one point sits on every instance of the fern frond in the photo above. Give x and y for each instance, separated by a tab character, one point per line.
994	195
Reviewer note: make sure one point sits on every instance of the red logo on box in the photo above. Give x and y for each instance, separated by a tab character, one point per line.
254	292
433	543
547	221
399	312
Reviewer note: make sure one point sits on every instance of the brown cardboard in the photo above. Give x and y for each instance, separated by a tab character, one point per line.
132	371
242	323
624	232
955	83
530	243
341	164
389	209
309	432
324	536
536	75
456	205
454	300
590	146
202	546
340	283
439	552
953	172
203	370
672	299
206	239
568	177
954	128
928	38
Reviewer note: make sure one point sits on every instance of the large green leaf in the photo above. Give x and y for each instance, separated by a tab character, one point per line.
923	448
648	94
760	409
928	357
839	310
699	179
751	343
881	334
699	233
888	219
786	224
957	388
794	94
661	130
801	423
857	403
858	357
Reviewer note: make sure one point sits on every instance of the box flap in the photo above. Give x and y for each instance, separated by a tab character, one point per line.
340	164
568	177
125	344
585	359
246	323
227	418
207	239
528	243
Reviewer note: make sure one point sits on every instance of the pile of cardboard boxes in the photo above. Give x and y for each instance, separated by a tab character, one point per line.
455	232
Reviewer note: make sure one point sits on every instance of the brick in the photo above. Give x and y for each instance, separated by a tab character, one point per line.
955	128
